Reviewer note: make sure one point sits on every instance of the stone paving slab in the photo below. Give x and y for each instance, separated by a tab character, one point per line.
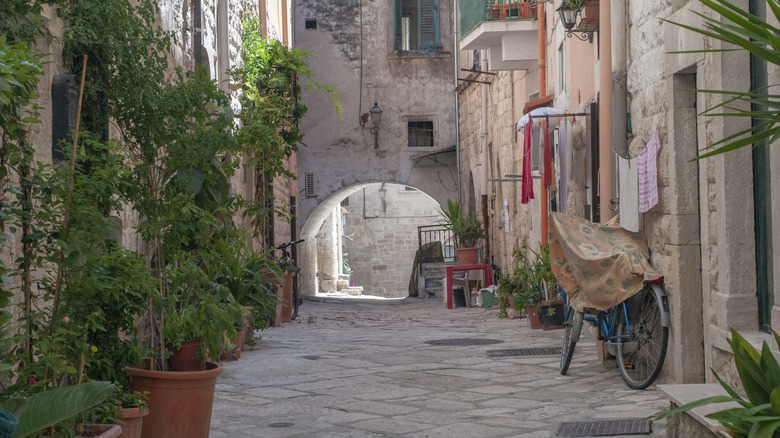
358	369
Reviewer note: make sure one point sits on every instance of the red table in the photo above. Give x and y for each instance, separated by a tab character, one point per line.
451	269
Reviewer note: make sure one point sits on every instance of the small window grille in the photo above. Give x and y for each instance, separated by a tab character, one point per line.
311	23
421	134
310	191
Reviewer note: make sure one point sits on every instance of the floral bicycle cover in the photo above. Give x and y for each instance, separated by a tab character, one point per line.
598	266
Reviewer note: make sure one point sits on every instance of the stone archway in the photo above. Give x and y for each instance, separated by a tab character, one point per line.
381	220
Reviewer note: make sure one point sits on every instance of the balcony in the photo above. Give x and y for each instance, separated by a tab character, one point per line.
506	28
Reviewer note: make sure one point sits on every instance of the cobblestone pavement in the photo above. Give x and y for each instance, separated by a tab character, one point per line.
365	370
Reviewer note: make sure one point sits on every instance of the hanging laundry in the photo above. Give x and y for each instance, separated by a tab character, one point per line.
563	174
629	194
527	189
647	169
547	157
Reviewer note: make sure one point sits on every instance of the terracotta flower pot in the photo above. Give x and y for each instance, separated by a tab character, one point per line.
132	421
590	12
179	402
468	256
186	358
533	317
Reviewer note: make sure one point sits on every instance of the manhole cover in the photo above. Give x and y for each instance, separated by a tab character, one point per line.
547	351
281	425
464	342
605	428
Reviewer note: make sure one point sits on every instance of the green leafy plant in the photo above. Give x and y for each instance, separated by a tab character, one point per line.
759	374
466	228
530	280
271	79
45	409
109	410
575	4
759	37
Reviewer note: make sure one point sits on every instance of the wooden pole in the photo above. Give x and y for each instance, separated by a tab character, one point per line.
69	200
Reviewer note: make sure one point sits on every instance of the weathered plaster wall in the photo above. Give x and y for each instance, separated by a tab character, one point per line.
383	241
406	87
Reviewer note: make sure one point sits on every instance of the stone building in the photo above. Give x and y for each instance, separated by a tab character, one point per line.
704	234
396	57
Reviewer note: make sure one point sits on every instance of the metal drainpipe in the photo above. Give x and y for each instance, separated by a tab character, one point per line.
197	34
606	157
456	51
619	95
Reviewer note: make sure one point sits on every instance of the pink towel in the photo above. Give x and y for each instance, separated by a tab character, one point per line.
527	189
547	157
647	170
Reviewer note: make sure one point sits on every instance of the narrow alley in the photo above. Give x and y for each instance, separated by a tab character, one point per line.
370	370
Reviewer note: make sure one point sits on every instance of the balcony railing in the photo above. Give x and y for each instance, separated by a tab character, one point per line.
473	12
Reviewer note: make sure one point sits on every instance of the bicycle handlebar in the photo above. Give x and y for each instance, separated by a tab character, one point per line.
283	246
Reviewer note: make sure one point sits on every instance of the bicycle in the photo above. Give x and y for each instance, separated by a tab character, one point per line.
637	327
297	299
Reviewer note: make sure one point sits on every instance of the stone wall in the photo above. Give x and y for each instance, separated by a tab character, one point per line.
383	240
701	232
353	50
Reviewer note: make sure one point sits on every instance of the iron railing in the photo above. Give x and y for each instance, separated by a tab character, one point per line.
436	233
473	12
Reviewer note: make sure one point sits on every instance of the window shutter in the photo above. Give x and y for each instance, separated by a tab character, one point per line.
429	25
398	29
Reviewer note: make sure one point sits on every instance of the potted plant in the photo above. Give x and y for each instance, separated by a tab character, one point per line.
466	229
589	9
543	282
124	408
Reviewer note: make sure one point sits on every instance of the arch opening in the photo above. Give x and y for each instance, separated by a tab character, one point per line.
361	241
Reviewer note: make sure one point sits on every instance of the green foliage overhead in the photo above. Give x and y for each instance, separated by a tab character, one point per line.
747	32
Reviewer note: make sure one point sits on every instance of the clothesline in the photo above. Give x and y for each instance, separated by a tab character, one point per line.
547	116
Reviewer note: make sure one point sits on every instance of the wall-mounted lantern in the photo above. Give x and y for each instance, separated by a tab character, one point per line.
376	118
571	19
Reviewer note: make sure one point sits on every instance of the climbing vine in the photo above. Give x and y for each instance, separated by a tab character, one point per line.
270	78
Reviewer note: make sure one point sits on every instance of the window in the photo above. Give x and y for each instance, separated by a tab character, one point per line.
311	23
417	25
420	134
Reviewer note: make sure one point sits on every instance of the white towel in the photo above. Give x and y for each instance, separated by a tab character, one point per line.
629	194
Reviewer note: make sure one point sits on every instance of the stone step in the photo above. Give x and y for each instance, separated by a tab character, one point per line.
353	290
434	282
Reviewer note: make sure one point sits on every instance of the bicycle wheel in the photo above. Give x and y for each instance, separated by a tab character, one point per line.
295	298
571	334
640	356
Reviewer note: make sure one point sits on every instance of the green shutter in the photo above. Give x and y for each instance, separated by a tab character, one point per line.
398	31
429	25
